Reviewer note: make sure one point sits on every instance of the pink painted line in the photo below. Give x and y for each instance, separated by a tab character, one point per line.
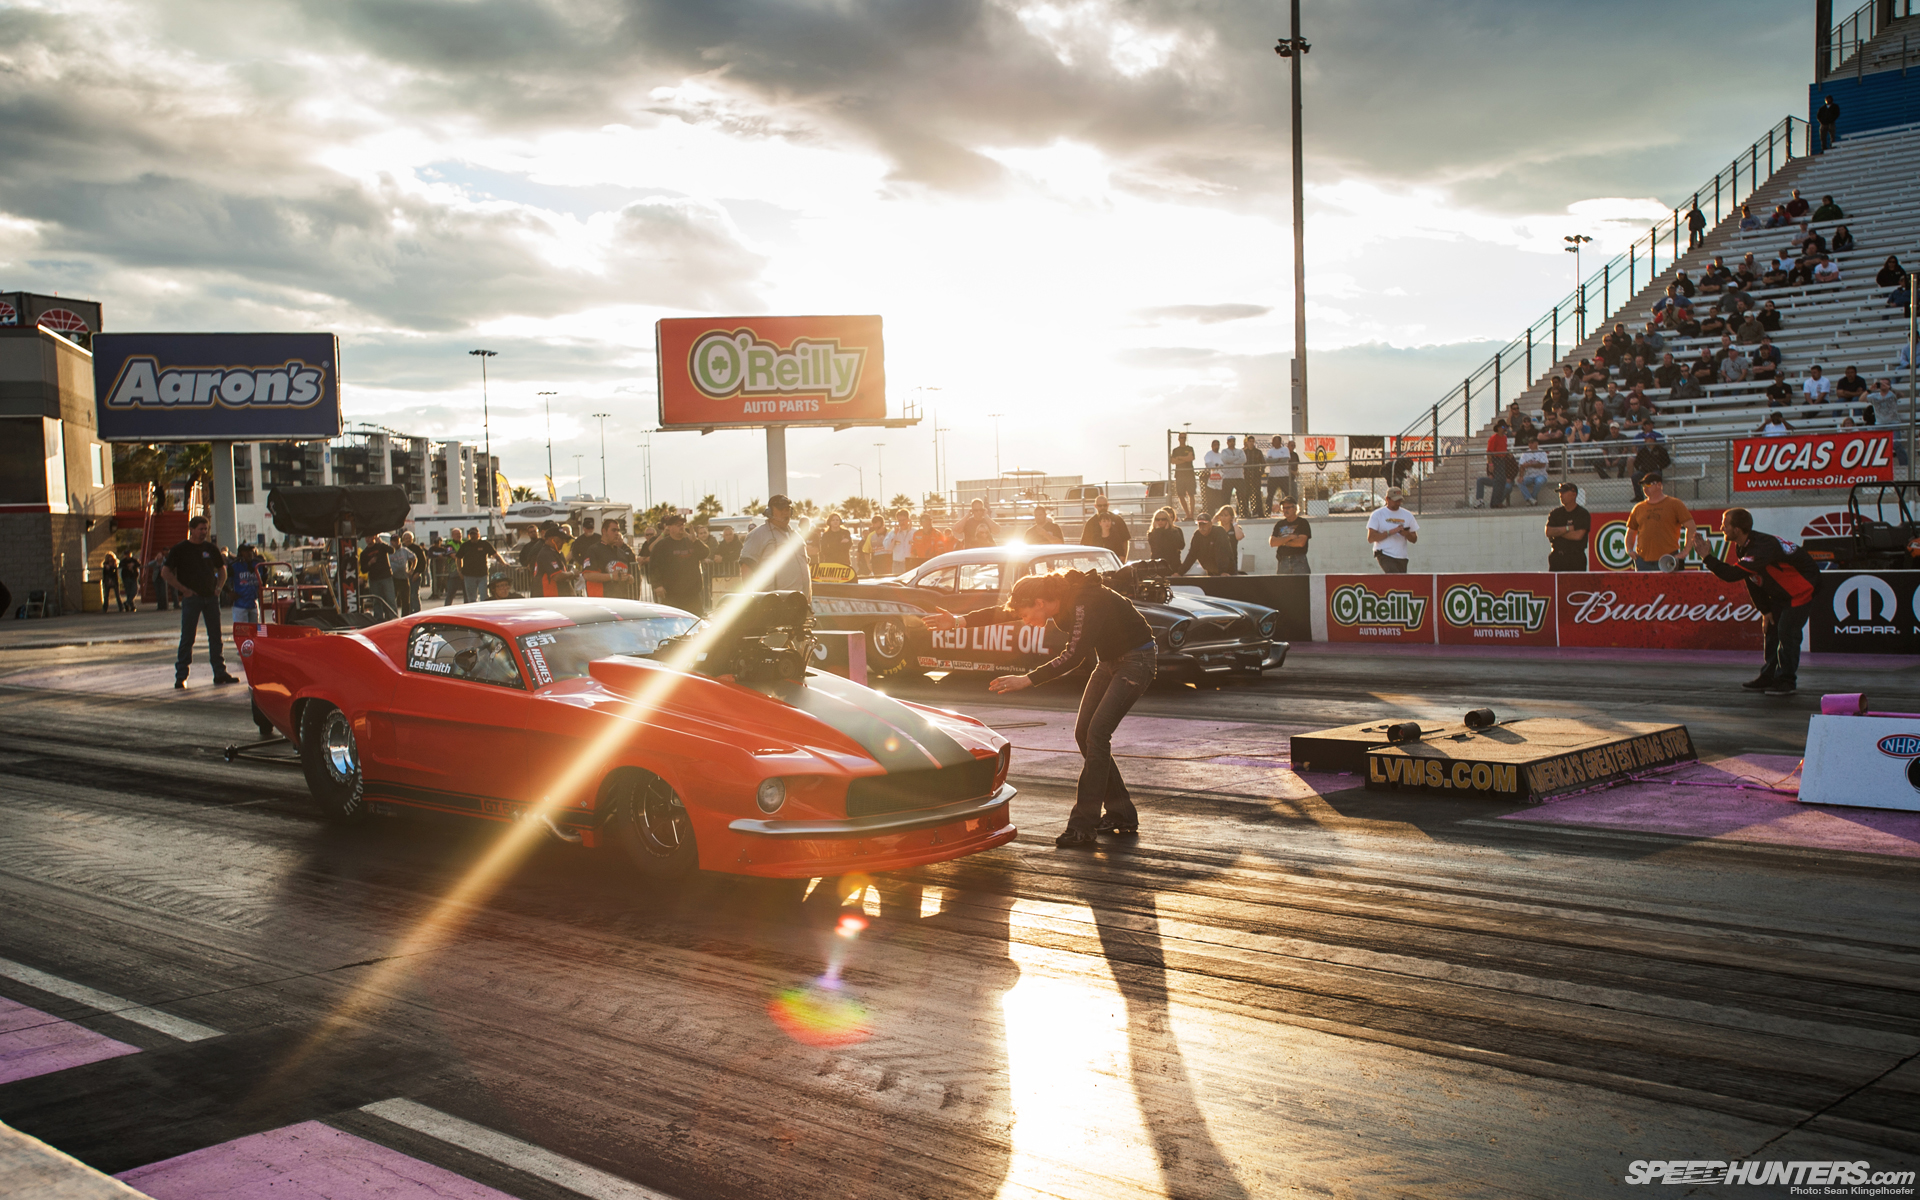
1838	662
308	1161
36	1043
1681	805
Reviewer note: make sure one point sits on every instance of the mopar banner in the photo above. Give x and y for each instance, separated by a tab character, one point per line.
1820	460
1380	608
1681	610
216	387
751	371
1866	612
1496	610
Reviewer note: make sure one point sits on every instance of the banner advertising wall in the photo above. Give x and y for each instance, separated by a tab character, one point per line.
1681	610
1866	612
1380	608
1607	541
216	387
754	371
1496	610
1821	460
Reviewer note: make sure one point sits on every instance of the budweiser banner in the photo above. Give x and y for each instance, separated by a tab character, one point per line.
1496	610
1681	610
1821	460
1380	608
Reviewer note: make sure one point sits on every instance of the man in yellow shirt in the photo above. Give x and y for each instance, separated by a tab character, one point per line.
1658	525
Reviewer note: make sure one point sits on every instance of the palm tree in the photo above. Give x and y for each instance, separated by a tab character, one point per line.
901	500
708	508
523	492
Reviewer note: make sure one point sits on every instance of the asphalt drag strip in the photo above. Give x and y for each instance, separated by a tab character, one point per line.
1304	987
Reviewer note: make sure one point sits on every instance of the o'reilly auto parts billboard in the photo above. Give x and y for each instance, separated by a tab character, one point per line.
216	387
750	371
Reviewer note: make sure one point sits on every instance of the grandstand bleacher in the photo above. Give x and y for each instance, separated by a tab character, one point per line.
1874	177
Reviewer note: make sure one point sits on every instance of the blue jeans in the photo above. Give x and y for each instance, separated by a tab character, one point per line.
1500	488
193	611
1531	486
1782	636
1645	564
1112	690
470	586
1296	565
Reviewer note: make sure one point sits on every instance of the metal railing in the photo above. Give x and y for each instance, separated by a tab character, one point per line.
1566	325
1850	35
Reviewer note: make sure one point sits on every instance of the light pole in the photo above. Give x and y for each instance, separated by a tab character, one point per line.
486	426
996	445
579	474
602	418
1123	460
1577	240
1293	49
646	469
860	473
880	474
550	488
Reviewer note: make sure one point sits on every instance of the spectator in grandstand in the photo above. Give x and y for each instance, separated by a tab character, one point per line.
1290	538
1209	481
1615	452
1828	210
1165	542
1215	550
1673	299
1779	394
1842	240
1554	433
1668	372
1898	297
1696	226
1797	205
1826	271
1766	359
1045	531
1180	458
1736	367
1656	342
1748	273
1827	116
1704	369
1522	429
1774	426
1717	276
1500	463
1617	345
1639	408
1685	284
1850	387
1593	373
1555	402
1233	469
1644	349
1105	528
1533	471
1747	219
1567	528
1682	323
1770	317
1279	471
1779	219
1613	398
1883	409
1658	525
1750	330
1391	531
1776	273
1891	272
1817	387
1649	456
1811	243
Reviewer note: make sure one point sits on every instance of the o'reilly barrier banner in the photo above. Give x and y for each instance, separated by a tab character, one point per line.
216	387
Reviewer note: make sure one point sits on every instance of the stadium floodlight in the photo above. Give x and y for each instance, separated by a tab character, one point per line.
486	427
1576	241
1293	49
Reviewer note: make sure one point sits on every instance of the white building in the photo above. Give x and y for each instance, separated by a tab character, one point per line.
445	481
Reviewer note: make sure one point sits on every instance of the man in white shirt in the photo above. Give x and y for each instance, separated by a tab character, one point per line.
1233	465
1391	530
1817	387
1533	470
776	539
1210	486
899	543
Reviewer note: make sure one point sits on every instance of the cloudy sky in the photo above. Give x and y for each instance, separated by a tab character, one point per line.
1074	213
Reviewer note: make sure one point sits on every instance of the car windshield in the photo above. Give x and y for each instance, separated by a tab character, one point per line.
564	653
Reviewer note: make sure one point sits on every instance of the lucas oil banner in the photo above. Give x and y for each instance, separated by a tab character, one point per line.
216	387
750	371
1816	460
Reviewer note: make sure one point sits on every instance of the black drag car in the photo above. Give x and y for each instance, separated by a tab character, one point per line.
1197	635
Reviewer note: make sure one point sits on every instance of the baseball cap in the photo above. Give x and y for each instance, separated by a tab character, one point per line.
778	501
1569	487
1396	494
1652	477
548	528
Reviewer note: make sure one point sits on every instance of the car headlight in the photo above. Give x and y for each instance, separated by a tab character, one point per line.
1177	636
772	794
1266	626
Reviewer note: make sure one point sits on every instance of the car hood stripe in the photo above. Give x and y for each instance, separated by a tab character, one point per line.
897	737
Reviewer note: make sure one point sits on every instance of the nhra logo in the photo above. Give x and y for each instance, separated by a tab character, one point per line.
1358	605
724	364
1469	604
142	384
1900	745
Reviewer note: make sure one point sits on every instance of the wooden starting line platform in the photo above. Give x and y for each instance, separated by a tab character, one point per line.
1525	761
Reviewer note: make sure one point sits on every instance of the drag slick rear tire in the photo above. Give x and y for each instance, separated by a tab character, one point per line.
330	756
648	825
886	648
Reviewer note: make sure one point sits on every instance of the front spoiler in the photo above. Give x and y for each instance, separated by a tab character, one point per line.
1225	657
879	824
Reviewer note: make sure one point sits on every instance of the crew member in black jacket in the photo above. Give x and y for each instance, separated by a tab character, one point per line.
1100	623
1780	578
1165	542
